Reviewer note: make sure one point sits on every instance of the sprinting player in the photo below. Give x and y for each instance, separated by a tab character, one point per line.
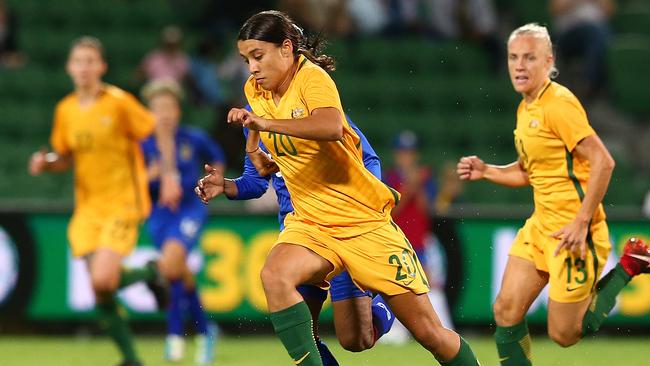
341	218
359	319
176	232
97	128
565	243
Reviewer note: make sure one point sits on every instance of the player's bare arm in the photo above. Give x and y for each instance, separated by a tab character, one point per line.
510	175
573	236
43	161
170	189
324	124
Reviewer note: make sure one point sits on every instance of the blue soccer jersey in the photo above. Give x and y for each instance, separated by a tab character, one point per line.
193	149
251	185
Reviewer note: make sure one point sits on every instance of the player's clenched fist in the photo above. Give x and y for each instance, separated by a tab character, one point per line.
247	119
470	168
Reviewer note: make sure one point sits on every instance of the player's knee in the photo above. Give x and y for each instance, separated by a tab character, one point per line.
104	283
172	268
564	337
274	278
354	342
506	311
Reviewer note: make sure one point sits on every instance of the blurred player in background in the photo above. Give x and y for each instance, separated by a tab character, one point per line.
359	319
415	182
97	129
341	218
175	232
565	243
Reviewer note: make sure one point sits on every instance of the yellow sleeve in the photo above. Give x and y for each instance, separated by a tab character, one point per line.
319	91
58	135
139	122
568	120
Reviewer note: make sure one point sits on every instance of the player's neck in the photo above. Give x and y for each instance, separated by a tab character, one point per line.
532	96
88	95
284	85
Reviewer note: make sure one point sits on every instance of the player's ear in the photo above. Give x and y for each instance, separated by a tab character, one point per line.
286	49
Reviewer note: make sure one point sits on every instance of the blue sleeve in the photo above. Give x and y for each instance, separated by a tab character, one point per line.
370	159
149	149
250	184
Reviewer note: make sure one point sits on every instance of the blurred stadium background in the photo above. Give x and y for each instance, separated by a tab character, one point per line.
393	74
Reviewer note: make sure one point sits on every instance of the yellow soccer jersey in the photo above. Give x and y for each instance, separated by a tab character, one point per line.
548	129
328	182
103	141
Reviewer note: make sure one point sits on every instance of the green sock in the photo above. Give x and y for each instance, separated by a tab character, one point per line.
604	299
513	345
464	357
115	326
129	276
293	326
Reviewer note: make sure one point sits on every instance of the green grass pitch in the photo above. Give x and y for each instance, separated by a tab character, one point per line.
267	351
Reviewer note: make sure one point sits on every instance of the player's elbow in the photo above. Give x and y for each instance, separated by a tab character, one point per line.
335	133
608	163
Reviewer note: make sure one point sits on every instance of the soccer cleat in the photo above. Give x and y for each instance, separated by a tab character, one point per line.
205	345
325	354
636	257
174	348
158	286
382	317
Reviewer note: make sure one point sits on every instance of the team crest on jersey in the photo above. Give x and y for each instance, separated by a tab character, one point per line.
185	152
533	123
297	113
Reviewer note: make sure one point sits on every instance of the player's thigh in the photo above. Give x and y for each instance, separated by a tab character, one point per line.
295	264
119	233
105	267
383	261
83	232
565	320
520	286
573	279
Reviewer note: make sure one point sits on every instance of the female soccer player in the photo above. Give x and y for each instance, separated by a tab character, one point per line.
359	319
341	218
175	232
97	129
565	242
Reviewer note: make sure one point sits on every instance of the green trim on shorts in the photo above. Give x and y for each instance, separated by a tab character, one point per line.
581	195
592	249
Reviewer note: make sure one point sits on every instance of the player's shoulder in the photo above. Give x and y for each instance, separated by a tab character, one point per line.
558	97
113	92
67	102
309	71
